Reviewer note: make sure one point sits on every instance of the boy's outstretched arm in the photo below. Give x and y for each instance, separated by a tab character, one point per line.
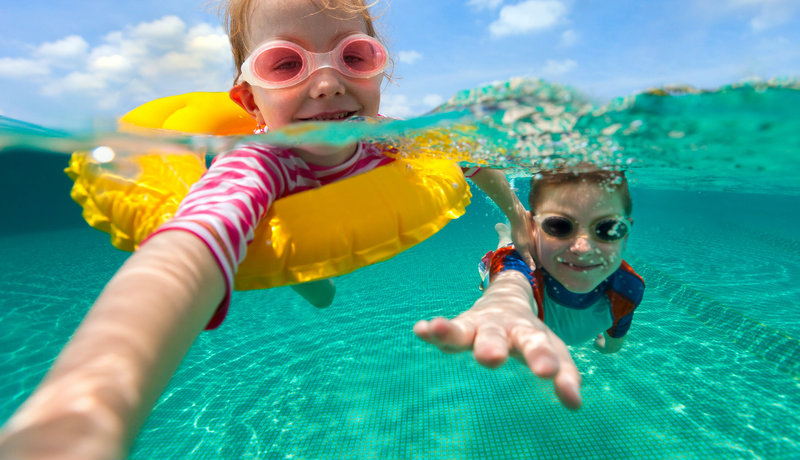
502	322
494	184
103	384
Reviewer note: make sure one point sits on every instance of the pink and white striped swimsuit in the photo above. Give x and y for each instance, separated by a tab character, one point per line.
224	207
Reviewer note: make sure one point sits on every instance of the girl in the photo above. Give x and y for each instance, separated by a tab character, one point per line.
103	384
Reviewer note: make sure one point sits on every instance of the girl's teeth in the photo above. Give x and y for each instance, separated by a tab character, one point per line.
339	116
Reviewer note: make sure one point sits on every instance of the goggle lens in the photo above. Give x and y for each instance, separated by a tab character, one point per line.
607	230
558	227
362	56
611	230
278	64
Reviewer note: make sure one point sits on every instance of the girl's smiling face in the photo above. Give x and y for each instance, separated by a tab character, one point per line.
324	95
580	262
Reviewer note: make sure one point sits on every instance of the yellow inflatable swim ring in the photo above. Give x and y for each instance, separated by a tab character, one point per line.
307	236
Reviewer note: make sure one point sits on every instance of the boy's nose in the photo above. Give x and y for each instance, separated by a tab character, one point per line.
581	245
326	82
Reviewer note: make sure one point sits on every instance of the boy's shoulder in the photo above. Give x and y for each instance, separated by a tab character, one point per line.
507	258
626	282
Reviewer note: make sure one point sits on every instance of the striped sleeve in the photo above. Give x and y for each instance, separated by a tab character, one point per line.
469	172
225	205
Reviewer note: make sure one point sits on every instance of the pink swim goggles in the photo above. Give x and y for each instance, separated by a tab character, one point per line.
280	64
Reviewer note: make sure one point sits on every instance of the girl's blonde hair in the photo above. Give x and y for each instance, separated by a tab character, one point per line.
236	15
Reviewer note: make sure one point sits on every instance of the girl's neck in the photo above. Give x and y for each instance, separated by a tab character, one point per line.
325	155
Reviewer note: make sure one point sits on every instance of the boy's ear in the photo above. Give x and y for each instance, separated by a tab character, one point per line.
531	223
625	239
242	94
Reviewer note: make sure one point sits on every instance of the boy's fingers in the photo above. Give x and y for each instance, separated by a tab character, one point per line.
553	358
548	357
491	345
568	389
422	330
526	253
543	352
529	260
568	381
537	349
451	335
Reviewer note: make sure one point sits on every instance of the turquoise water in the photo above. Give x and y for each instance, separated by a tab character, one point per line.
711	367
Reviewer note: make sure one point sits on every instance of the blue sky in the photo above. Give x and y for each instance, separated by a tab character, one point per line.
70	63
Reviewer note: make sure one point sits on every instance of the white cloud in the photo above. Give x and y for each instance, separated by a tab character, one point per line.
485	4
553	68
111	64
65	50
771	15
129	66
83	83
432	100
569	37
528	16
161	31
409	57
206	39
766	13
22	68
396	106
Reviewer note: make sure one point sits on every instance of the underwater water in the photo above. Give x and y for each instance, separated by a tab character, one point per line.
710	368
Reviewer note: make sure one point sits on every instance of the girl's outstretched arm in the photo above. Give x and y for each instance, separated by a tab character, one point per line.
98	393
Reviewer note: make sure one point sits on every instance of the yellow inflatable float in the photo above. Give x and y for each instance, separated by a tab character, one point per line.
311	235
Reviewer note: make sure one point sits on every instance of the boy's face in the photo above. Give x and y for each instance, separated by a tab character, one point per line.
324	95
580	261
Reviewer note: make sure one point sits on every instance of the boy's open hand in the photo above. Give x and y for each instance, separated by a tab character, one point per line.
502	324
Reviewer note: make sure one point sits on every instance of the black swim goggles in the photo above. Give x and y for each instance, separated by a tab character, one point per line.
605	229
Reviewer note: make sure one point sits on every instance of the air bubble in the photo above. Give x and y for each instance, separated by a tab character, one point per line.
103	154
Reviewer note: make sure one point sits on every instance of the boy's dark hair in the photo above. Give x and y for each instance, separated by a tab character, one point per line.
610	180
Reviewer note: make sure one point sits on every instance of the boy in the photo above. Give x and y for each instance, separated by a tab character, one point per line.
581	289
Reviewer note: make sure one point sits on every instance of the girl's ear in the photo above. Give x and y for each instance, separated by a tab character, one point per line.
242	94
